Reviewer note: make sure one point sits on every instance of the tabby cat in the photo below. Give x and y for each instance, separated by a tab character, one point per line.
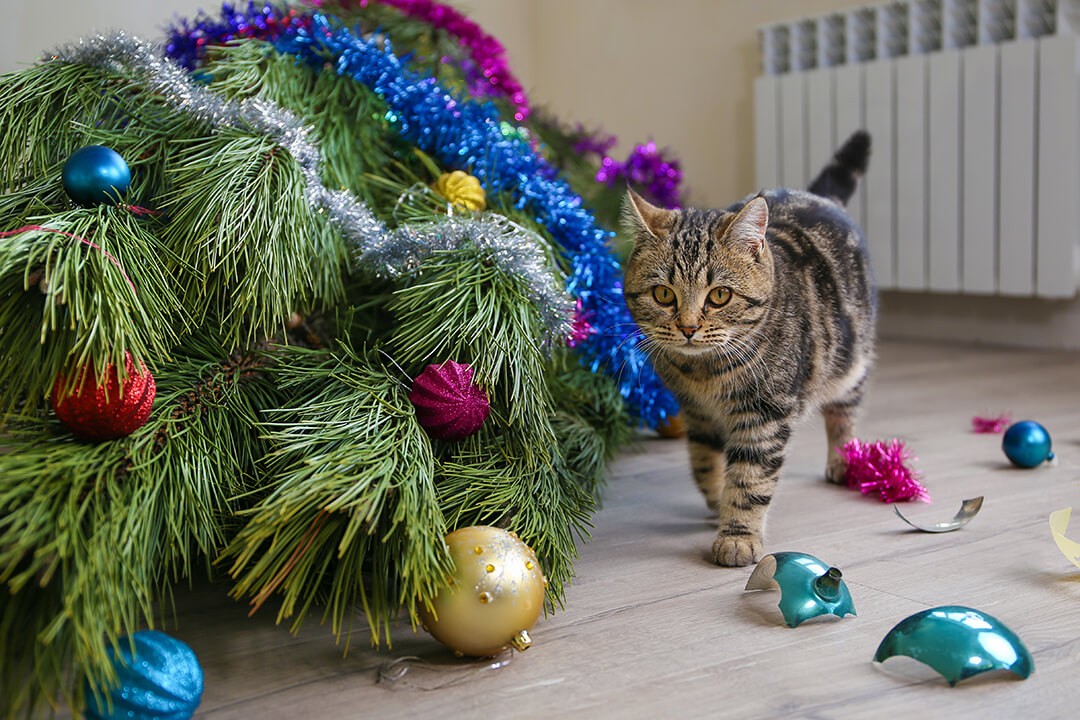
752	315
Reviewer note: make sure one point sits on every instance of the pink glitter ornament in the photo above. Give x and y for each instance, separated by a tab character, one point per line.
881	467
448	405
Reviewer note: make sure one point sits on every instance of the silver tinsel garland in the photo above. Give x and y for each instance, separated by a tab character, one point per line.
387	253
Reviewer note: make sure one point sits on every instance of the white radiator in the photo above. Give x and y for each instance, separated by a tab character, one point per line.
974	111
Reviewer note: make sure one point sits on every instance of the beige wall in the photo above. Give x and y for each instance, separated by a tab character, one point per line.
31	27
679	72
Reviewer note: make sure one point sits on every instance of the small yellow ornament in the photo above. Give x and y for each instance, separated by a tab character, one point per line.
671	428
462	189
494	597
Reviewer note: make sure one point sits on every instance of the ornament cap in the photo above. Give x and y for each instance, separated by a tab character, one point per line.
521	641
827	586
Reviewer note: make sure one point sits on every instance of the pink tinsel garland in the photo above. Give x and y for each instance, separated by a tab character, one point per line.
881	467
487	52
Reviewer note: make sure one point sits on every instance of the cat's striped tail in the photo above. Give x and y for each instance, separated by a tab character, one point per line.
840	177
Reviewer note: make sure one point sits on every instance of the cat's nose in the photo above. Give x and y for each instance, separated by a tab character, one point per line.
688	330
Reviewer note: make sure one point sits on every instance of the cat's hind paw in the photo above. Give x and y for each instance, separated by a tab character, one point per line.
736	550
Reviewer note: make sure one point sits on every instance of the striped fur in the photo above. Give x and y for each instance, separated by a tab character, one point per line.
795	332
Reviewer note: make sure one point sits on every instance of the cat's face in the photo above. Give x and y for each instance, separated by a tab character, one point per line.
698	281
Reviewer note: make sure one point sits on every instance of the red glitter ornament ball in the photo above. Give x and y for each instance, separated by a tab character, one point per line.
108	411
448	405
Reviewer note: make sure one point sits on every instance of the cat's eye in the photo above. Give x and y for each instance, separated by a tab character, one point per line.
663	295
719	296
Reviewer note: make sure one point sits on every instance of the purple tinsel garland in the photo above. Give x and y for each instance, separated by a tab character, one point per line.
646	168
186	40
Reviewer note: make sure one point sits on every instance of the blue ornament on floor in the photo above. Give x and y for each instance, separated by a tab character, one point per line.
1027	444
96	174
162	682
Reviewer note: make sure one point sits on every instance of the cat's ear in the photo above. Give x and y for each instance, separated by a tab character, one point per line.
749	225
641	218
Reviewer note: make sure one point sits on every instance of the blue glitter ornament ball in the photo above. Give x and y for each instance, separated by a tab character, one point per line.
1027	444
162	682
96	174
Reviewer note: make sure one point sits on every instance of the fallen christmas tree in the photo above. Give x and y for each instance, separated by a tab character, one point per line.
210	338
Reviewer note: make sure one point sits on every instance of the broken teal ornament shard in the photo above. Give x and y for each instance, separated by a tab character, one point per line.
958	642
808	586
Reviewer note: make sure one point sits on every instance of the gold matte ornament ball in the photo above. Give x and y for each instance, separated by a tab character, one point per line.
494	597
462	189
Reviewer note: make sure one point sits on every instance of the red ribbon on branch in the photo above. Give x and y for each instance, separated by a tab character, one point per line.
84	241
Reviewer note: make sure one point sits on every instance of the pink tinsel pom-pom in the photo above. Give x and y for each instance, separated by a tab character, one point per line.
881	467
990	425
448	404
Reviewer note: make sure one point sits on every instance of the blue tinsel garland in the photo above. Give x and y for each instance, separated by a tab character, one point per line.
465	134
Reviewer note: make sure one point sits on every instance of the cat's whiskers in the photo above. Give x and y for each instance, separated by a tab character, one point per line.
648	345
742	352
651	349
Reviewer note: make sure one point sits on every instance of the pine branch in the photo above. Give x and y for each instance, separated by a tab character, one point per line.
59	107
91	535
463	308
349	119
241	222
250	248
65	304
591	422
43	108
351	508
510	484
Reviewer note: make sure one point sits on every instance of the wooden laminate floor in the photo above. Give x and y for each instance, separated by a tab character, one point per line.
652	630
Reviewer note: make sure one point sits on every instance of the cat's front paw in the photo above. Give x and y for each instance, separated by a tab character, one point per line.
736	550
836	471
